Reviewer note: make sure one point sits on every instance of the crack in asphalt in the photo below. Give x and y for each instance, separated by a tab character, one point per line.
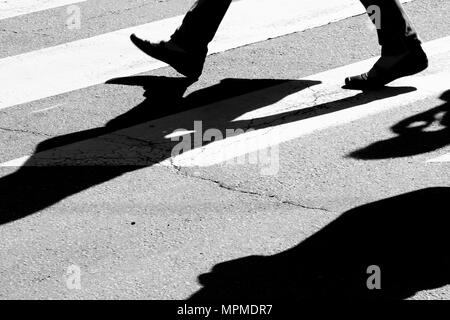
247	192
6	30
26	131
253	124
31	32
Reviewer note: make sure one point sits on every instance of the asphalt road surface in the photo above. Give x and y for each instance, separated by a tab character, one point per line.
264	179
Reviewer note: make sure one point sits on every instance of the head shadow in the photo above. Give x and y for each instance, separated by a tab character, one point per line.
421	133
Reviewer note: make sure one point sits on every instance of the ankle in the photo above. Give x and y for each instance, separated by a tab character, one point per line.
192	49
401	48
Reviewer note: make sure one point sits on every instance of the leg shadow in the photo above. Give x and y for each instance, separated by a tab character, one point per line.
405	236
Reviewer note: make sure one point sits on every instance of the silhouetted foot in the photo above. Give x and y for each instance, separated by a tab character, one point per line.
390	68
188	64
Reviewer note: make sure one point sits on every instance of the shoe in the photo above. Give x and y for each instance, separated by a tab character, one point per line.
390	68
189	65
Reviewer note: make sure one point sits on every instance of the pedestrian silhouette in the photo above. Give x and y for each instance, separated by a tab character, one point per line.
401	51
69	164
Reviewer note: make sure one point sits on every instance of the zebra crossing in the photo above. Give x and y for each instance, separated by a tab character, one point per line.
84	188
47	72
15	8
79	64
444	158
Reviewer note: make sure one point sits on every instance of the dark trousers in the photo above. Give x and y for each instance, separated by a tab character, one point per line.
395	31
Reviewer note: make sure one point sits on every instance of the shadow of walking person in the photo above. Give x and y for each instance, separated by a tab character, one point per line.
406	236
415	135
68	164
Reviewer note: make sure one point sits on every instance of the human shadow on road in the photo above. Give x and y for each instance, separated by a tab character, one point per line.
415	135
68	164
405	236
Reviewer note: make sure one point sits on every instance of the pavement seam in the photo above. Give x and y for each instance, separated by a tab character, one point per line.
35	133
33	32
246	192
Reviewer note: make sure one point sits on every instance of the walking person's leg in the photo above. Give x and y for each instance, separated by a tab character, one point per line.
401	51
200	24
186	50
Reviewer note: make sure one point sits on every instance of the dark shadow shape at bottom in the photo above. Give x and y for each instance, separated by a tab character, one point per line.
406	236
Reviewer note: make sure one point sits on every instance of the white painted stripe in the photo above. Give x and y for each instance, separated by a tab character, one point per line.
14	8
16	162
179	133
71	66
135	145
427	84
49	108
444	158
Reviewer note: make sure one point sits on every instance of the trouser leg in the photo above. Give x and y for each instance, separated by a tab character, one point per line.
200	24
395	31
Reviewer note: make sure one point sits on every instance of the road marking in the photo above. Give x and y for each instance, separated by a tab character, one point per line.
14	8
444	158
332	105
426	84
49	108
71	66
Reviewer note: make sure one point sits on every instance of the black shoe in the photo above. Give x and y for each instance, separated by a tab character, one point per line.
408	64
189	65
